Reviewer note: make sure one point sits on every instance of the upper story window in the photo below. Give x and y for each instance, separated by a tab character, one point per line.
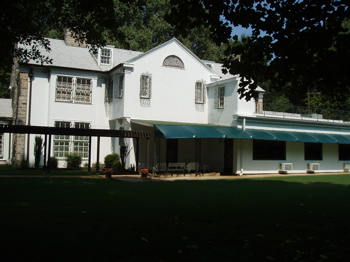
118	85
145	86
108	90
200	92
219	97
173	61
104	56
73	90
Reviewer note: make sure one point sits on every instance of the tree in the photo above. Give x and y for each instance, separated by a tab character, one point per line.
136	25
24	23
300	44
146	28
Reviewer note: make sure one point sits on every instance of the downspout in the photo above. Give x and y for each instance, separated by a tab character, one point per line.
241	149
31	75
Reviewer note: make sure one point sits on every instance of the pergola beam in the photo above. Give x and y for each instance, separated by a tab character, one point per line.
44	130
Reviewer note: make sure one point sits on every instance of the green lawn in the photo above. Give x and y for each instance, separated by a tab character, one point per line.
7	170
93	219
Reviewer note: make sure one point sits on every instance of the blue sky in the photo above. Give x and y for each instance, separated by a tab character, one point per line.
238	30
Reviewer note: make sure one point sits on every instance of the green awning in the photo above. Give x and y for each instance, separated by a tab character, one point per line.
233	132
324	138
182	131
197	131
174	131
260	134
283	136
304	137
341	139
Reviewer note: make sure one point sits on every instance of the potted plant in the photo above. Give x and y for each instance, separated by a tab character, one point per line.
144	172
110	161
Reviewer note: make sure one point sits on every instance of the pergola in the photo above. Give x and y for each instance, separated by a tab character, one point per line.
49	131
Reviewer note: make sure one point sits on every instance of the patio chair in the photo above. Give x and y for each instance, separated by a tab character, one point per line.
193	167
160	169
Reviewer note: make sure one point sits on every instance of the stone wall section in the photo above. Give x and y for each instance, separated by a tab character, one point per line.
19	92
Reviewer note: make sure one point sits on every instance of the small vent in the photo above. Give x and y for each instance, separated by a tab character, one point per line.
286	166
347	165
313	166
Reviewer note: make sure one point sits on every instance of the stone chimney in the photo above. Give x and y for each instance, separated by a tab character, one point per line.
69	39
260	102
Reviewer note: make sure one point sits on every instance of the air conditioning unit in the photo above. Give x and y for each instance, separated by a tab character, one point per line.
313	166
346	167
286	166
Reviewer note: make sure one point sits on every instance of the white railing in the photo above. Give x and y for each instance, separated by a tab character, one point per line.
308	117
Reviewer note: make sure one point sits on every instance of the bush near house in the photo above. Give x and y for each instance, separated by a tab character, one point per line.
73	161
53	162
38	147
112	160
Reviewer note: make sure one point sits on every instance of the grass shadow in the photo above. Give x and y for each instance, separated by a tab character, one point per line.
271	219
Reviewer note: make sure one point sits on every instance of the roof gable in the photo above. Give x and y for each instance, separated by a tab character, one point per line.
168	43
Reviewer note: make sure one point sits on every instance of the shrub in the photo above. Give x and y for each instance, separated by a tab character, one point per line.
73	160
95	164
38	147
24	164
53	162
111	160
118	167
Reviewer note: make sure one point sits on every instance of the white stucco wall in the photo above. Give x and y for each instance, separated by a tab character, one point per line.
45	110
294	155
5	146
173	89
232	104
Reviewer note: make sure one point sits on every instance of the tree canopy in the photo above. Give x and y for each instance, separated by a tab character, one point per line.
299	45
136	25
26	22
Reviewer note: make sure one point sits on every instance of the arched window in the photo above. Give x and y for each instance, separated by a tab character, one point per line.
173	61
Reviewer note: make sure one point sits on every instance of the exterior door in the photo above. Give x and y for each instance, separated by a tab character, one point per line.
171	150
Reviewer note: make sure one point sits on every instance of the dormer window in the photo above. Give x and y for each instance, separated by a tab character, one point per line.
104	56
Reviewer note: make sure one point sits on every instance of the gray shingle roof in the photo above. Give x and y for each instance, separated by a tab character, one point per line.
80	57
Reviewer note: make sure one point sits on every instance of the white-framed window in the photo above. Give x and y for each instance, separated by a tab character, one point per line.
73	89
106	56
109	90
1	146
219	97
145	86
64	89
103	56
61	142
81	143
65	144
118	85
200	92
83	91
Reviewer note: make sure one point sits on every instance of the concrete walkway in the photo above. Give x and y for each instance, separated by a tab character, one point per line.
138	178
